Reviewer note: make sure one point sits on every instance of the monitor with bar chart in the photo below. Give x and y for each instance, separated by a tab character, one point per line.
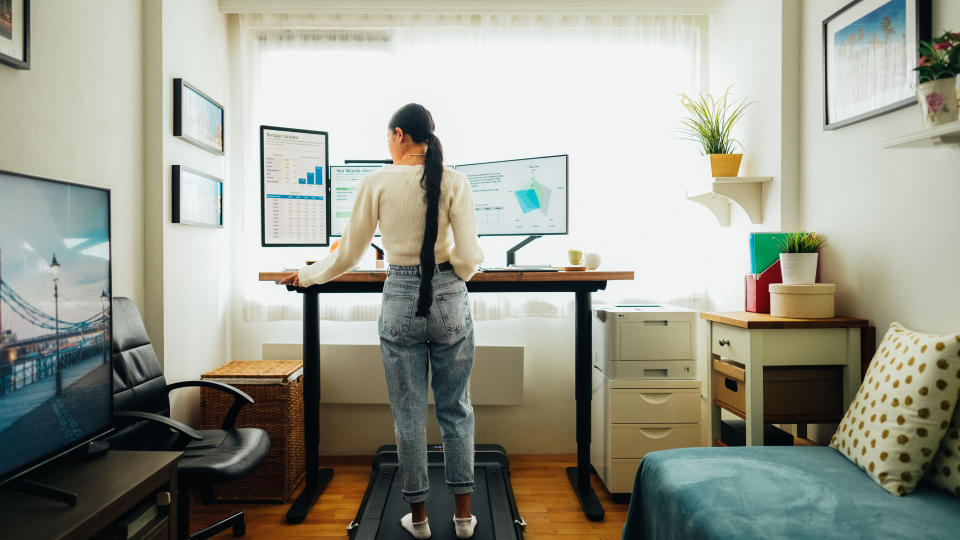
519	196
295	195
344	183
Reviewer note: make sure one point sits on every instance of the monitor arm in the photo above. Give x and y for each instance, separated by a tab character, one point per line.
511	257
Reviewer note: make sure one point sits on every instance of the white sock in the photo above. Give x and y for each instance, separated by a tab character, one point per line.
465	526
417	530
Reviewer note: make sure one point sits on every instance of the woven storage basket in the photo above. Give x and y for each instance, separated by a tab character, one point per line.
278	410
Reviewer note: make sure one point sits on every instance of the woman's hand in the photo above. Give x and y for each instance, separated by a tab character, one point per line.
292	279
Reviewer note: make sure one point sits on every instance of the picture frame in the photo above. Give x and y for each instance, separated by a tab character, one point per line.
197	198
869	52
197	118
15	33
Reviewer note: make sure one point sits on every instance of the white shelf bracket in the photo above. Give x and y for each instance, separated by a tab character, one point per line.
746	192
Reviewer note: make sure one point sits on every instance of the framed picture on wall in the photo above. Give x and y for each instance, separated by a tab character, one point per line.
197	118
197	198
15	33
869	52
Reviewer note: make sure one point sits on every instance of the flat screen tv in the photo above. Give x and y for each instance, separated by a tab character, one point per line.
56	383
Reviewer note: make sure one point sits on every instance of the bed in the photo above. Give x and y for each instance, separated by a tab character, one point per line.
777	492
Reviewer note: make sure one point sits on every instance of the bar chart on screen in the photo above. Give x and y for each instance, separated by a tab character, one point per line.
294	206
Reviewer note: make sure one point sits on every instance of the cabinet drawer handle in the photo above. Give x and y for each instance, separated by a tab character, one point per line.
724	342
655	399
655	433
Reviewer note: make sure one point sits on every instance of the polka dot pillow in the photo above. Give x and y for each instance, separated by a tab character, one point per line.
944	471
903	408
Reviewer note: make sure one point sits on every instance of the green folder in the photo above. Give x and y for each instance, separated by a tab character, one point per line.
764	250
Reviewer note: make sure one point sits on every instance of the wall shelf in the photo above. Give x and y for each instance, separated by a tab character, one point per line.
945	135
745	191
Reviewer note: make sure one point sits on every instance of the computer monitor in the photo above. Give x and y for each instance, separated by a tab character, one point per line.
294	194
56	381
344	183
519	196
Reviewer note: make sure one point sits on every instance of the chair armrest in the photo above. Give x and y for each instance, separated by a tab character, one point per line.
181	428
240	398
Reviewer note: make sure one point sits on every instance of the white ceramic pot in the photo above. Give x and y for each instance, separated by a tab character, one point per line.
799	268
938	101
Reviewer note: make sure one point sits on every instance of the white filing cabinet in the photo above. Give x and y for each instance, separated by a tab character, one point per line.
646	396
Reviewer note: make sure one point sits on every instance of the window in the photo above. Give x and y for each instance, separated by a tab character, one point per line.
603	89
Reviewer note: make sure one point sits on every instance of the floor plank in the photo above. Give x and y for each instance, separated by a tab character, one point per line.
544	497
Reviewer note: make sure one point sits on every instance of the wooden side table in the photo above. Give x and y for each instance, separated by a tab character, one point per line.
757	340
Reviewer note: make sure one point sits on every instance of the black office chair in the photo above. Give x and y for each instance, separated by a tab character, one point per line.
142	405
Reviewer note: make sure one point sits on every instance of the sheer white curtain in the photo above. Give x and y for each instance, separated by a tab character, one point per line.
602	88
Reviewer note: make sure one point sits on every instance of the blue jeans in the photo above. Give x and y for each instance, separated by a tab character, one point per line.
444	340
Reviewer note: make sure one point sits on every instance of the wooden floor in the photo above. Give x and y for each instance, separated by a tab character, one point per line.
544	496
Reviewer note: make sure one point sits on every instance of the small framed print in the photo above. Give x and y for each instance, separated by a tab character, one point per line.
869	52
197	118
197	198
15	33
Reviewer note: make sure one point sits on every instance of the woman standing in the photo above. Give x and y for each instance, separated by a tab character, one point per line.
426	217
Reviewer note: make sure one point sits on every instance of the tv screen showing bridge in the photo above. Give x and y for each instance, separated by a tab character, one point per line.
55	372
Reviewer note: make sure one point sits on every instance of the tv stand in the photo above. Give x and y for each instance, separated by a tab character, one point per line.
105	490
511	253
91	450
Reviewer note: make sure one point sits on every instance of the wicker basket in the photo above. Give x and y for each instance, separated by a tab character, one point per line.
277	389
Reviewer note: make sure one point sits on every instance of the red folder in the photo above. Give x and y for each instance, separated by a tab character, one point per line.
758	288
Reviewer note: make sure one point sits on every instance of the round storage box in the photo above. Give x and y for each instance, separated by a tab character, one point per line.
810	301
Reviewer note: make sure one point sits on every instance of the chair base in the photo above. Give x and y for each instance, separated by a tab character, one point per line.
236	521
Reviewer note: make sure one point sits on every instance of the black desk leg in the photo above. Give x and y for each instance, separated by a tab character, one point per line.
583	377
316	478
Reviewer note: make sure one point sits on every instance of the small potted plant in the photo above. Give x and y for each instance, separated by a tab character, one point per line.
799	252
937	74
710	124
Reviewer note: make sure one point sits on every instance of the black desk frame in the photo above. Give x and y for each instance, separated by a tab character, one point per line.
317	478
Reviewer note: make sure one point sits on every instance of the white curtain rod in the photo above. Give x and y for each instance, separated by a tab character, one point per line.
409	7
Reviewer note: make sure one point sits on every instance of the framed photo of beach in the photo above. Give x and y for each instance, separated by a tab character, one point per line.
197	118
197	198
15	33
869	52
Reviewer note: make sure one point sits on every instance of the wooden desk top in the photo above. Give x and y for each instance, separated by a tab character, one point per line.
744	319
373	277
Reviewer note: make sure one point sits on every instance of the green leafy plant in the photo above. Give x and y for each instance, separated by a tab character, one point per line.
801	242
711	121
939	57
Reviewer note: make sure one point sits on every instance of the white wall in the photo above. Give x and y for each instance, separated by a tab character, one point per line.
189	312
891	217
75	115
752	62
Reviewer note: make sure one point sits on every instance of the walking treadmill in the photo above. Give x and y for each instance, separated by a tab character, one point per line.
492	500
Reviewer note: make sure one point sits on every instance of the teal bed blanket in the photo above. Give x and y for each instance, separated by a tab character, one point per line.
777	492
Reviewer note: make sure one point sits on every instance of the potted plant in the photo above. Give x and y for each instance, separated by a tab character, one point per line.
709	124
937	74
799	252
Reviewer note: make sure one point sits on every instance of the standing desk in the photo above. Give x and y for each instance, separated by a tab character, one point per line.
580	283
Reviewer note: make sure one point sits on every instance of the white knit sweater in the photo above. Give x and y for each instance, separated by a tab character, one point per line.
392	197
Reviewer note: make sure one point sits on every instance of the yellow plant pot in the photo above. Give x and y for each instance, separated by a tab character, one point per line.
724	165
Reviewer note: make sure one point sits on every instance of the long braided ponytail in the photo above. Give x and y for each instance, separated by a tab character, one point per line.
416	120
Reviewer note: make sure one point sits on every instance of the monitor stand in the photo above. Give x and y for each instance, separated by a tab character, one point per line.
379	254
43	490
511	253
91	450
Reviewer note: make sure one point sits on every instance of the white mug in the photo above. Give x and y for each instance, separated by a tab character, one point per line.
591	261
